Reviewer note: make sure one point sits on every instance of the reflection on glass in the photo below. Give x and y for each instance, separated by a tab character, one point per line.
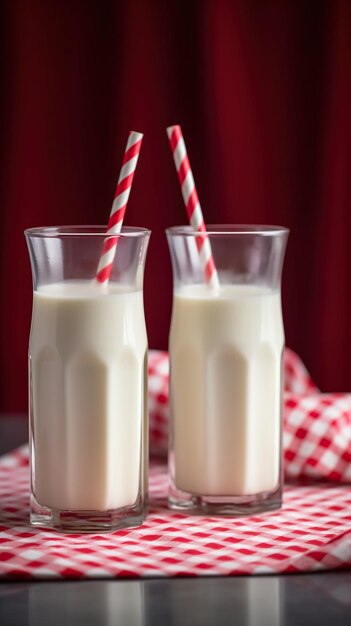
102	603
246	601
264	601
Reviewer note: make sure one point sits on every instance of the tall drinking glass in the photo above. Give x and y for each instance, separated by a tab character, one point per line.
226	346
87	381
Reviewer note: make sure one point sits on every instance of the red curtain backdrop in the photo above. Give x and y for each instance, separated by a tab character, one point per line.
263	92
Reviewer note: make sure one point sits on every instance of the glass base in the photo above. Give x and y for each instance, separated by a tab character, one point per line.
235	506
86	521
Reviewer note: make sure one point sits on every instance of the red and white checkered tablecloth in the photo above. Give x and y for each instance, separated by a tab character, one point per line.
312	532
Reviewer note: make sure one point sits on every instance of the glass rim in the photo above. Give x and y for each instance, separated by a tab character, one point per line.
84	231
229	229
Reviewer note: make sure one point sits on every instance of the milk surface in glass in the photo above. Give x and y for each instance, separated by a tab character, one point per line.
226	353
87	365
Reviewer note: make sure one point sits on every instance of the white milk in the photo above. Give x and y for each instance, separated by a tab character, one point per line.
88	374
226	358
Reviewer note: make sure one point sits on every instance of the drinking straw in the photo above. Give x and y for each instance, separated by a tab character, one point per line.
119	206
192	204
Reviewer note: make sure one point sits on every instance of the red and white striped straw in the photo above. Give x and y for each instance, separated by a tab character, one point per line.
119	206
192	204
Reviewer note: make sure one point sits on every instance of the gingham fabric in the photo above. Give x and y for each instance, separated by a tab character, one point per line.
312	532
317	427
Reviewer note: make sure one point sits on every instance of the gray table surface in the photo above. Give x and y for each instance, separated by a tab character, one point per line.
294	600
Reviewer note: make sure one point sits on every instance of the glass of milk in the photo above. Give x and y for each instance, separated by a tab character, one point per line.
226	347
87	381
